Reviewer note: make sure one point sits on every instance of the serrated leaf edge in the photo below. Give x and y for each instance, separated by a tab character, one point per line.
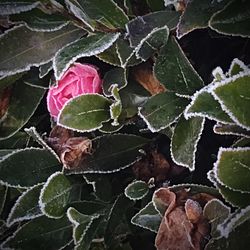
191	168
228	132
131	184
9	221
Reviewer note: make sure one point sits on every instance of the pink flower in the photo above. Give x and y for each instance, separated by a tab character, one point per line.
78	79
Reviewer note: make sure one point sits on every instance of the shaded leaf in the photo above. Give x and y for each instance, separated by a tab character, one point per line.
40	233
234	19
37	20
26	206
45	69
3	194
27	167
141	26
111	153
85	47
174	71
161	110
22	48
203	104
234	162
55	195
93	12
85	113
230	129
148	218
197	15
116	76
184	142
21	107
136	190
116	106
9	80
12	7
234	96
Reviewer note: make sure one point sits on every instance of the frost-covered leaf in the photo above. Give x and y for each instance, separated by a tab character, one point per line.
236	67
55	195
242	142
116	217
40	233
111	153
126	54
116	76
184	142
152	42
234	97
18	140
85	47
235	232
24	100
148	218
216	212
21	48
203	104
136	190
3	194
161	110
141	26
26	206
85	113
81	223
116	106
230	129
174	71
235	198
45	69
234	19
8	7
232	168
95	12
37	20
27	167
197	15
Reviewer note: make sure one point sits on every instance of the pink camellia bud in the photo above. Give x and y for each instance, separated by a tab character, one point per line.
77	80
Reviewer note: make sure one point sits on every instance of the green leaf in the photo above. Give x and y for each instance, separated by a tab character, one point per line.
148	218
236	67
93	12
3	194
8	7
37	20
27	167
234	19
85	113
203	104
110	56
242	142
216	212
26	206
232	168
116	218
9	80
85	47
234	96
141	26
23	103
81	223
136	190
236	233
21	48
184	142
235	198
111	153
40	233
116	76
18	140
55	195
230	129
161	110
197	15
174	71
